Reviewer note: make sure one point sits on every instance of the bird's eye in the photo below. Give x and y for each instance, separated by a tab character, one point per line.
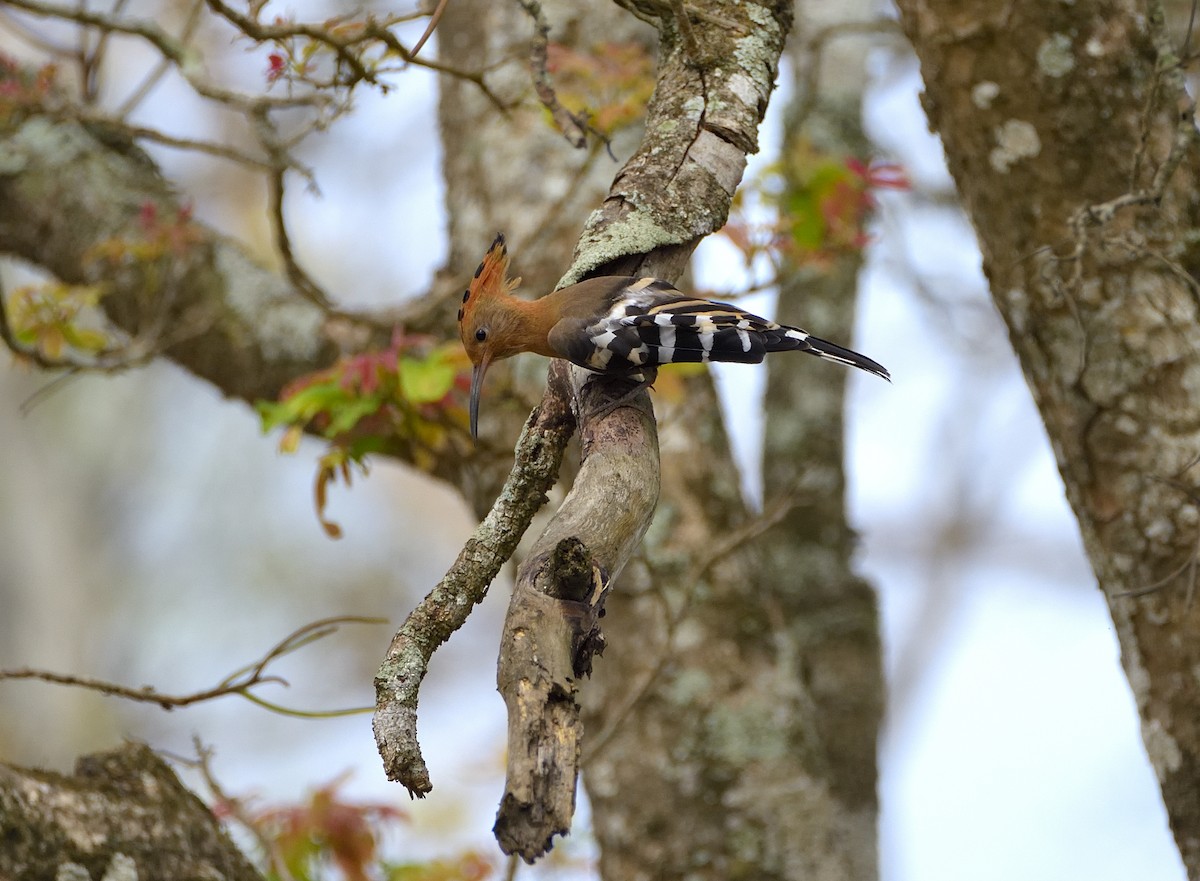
481	334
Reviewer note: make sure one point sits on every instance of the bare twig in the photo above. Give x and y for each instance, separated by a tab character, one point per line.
348	45
30	36
172	49
236	809
92	59
209	148
240	682
295	273
154	77
433	23
377	31
262	33
573	127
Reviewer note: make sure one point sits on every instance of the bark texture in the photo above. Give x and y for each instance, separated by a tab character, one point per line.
123	814
1072	142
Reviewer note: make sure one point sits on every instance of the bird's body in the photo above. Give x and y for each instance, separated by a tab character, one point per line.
620	325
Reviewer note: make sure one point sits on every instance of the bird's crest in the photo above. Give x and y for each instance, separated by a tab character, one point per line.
491	278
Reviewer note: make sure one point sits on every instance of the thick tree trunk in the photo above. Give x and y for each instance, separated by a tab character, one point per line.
1072	141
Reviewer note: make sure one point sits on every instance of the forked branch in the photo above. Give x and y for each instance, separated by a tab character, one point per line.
538	457
551	630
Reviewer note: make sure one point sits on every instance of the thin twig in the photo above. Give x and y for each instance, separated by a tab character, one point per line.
346	44
209	148
239	682
433	23
574	127
37	41
236	810
92	60
172	49
323	34
154	77
377	31
295	273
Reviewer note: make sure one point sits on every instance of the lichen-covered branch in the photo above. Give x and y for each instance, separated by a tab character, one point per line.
673	191
538	456
67	191
701	123
64	191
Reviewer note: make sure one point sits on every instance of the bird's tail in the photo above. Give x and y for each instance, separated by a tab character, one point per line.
832	351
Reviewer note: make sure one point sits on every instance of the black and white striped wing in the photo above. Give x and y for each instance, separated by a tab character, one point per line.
679	328
650	323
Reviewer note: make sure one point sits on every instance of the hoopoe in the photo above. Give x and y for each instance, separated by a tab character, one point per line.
618	325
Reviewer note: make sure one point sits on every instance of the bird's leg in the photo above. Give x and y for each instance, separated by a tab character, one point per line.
648	374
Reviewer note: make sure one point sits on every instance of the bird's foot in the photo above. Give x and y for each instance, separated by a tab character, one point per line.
648	376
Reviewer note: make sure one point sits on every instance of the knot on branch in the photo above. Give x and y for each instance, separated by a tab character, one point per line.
571	572
572	576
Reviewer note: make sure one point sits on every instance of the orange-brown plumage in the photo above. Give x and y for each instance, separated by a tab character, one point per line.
618	325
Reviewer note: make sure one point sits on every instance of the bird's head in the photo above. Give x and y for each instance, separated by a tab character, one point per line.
488	322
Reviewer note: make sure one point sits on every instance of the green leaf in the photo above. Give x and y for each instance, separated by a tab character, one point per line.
427	381
273	414
313	400
83	339
345	415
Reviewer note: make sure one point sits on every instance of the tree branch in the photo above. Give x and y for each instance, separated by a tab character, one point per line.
538	456
240	682
173	50
674	190
551	629
573	127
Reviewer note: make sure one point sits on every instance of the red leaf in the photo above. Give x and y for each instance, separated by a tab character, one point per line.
276	67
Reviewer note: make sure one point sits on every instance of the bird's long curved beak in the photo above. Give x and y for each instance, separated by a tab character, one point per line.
476	387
